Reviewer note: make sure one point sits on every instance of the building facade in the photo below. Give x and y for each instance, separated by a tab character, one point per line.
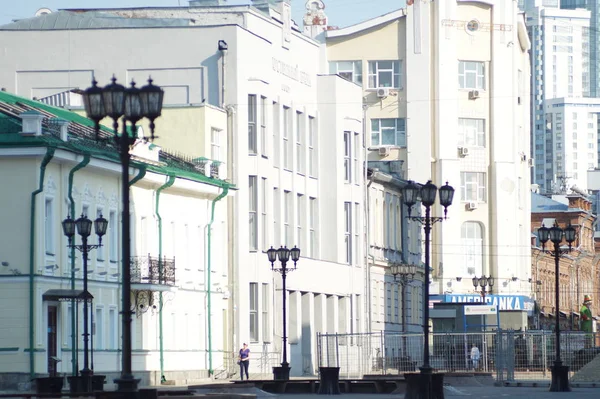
50	156
445	91
292	148
579	268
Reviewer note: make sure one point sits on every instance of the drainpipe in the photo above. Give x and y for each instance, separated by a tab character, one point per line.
74	352
45	162
209	272
168	184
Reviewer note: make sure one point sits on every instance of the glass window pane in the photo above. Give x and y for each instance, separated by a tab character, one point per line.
388	123
385	64
375	139
385	79
388	136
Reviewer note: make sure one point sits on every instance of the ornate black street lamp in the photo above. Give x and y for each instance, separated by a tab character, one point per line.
403	274
560	372
423	387
482	283
130	105
283	253
83	225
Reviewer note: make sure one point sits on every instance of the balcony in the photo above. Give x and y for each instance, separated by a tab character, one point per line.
152	283
152	270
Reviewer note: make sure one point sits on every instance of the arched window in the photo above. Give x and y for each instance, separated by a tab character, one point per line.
471	236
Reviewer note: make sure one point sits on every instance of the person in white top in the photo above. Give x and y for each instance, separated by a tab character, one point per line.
475	355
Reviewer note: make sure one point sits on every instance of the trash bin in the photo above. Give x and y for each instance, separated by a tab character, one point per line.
329	381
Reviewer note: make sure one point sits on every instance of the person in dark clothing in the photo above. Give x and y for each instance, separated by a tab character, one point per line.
244	361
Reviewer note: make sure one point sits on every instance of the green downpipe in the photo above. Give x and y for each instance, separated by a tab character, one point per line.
74	353
139	176
208	283
45	162
168	184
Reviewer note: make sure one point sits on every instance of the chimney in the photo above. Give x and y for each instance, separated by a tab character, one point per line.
207	3
32	123
63	128
265	5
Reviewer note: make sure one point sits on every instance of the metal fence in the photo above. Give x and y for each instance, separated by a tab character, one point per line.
509	355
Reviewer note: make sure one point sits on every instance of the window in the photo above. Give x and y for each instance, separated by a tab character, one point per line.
287	217
113	236
263	213
263	126
388	302
300	162
287	143
253	312
113	328
348	231
276	218
300	215
356	228
276	134
471	75
388	132
252	124
349	70
100	251
471	132
472	186
355	158
312	226
312	152
98	329
384	74
266	335
472	241
215	145
347	154
49	226
252	210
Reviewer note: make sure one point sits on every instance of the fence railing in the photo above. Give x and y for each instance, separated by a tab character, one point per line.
507	354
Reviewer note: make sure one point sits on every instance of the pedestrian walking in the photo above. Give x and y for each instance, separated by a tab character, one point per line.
475	355
244	361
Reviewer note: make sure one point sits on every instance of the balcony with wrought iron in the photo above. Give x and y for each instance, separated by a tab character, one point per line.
152	282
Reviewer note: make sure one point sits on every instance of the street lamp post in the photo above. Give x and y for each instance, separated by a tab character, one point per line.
403	274
130	105
560	372
83	225
482	283
424	385
283	253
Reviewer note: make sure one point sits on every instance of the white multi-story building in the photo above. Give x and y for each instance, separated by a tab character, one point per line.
446	95
293	146
560	68
571	131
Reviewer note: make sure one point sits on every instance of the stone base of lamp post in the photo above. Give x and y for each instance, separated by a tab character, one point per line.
282	373
424	385
560	378
329	380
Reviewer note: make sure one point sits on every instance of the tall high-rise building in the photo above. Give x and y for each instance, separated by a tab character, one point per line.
560	68
593	6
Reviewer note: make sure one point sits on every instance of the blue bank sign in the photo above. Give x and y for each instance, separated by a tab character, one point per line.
503	302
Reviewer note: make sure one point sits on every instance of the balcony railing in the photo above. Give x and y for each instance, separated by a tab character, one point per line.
152	270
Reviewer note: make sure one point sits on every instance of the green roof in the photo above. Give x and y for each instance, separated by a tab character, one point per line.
83	139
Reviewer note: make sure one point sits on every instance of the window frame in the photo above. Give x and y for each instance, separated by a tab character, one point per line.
477	179
253	213
252	122
253	327
374	70
465	132
356	72
399	133
464	73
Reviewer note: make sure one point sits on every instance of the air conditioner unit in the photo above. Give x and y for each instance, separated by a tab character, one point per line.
463	151
383	92
384	151
471	206
530	162
473	94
